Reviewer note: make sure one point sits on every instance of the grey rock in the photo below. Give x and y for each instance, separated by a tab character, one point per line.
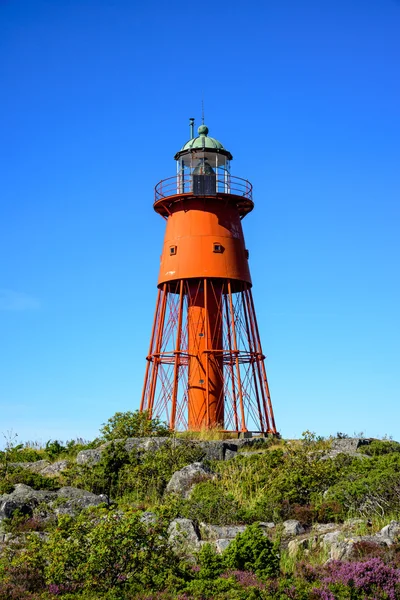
345	549
23	498
212	450
215	532
44	503
148	517
183	536
76	500
267	525
342	550
348	446
182	481
54	469
324	527
222	544
249	442
345	445
89	457
34	467
391	532
331	538
218	450
230	454
146	444
292	527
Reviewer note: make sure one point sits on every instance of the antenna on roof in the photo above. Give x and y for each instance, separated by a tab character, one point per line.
202	108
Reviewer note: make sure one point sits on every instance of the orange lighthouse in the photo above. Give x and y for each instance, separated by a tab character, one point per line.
205	366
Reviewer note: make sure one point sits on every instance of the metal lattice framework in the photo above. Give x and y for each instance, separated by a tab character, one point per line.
243	396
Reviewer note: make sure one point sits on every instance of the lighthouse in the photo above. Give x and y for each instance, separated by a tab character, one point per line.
205	366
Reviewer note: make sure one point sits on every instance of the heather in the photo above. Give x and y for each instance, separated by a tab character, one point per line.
111	552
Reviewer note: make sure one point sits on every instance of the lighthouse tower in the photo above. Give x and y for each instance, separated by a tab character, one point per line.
205	366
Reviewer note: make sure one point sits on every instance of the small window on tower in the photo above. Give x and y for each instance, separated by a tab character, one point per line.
247	254
217	247
172	250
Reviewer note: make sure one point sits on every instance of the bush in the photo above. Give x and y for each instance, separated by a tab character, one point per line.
133	424
328	512
34	480
211	563
367	577
146	476
380	447
252	551
369	487
104	549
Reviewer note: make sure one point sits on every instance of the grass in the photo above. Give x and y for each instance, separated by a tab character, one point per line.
206	434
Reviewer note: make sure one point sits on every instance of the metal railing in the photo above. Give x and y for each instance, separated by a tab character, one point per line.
203	185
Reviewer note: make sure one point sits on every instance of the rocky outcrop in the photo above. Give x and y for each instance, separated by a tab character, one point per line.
183	481
71	500
391	532
347	446
55	469
67	500
148	517
34	467
43	467
89	457
24	499
212	450
292	527
217	532
184	537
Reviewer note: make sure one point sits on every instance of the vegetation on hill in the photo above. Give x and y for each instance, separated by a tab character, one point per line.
111	553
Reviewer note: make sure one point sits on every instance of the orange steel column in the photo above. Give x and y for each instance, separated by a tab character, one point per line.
205	373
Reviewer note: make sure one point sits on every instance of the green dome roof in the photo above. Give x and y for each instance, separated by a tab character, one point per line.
203	142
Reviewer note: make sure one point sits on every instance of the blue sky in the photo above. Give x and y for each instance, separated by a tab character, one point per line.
95	99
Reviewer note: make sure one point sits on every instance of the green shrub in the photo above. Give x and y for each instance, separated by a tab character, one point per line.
139	477
209	503
380	447
18	475
133	424
328	512
211	563
252	551
146	476
105	549
21	453
103	477
54	449
369	487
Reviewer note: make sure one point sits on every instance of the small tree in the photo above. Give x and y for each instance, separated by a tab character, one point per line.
133	424
252	551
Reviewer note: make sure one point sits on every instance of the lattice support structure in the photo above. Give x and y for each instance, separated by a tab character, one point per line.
205	363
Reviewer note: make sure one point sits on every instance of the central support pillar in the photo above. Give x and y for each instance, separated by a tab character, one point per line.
205	362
